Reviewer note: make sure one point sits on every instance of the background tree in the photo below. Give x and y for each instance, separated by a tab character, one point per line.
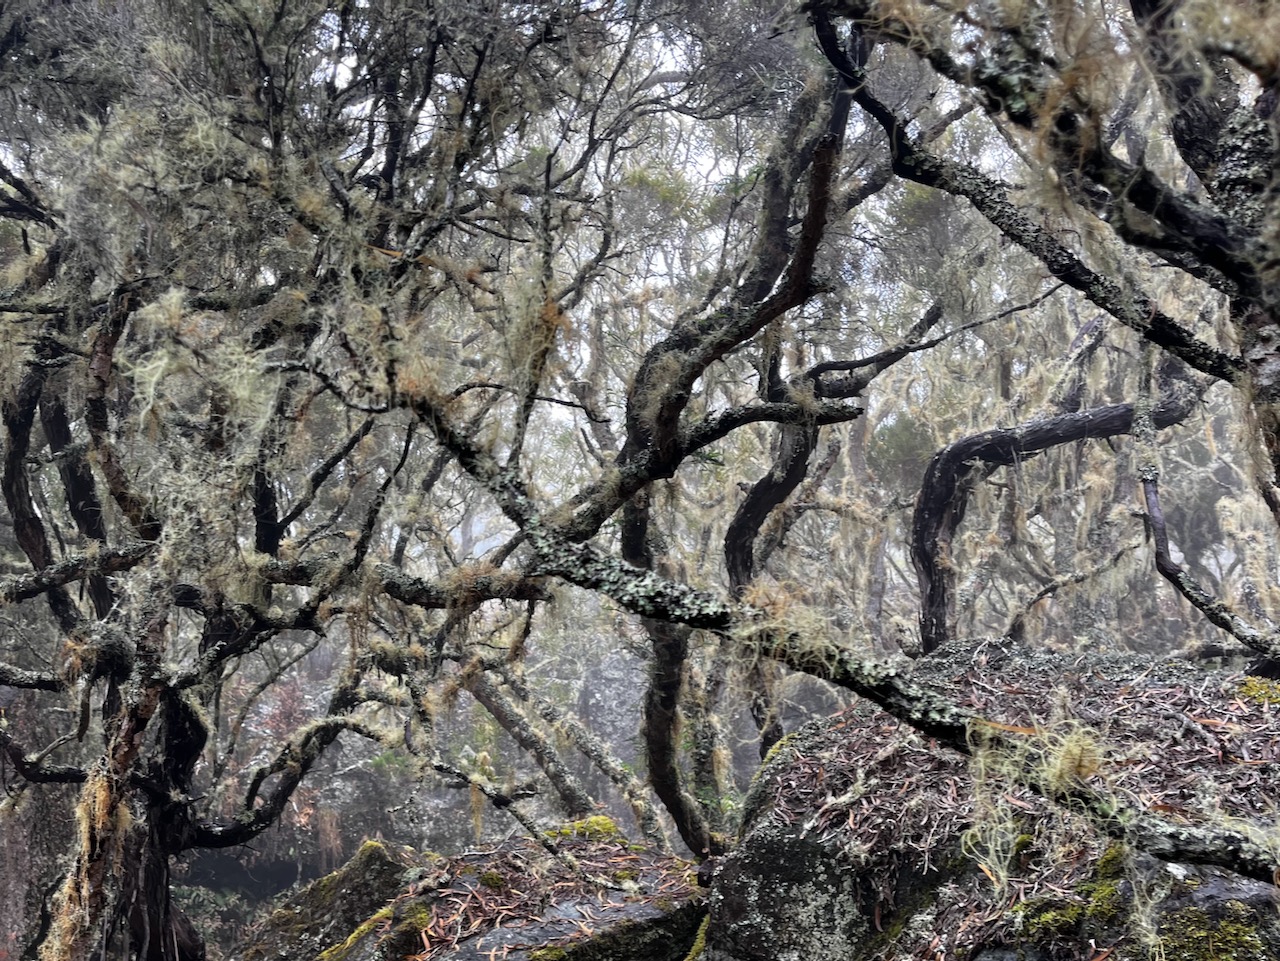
374	361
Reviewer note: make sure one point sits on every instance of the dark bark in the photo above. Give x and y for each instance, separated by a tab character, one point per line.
82	494
19	416
577	803
660	716
954	471
101	368
1199	90
796	445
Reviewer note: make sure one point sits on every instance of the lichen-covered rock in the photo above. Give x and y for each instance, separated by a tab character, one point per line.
328	909
863	840
601	899
782	896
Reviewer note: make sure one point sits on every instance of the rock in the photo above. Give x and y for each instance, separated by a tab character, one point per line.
328	909
863	840
617	902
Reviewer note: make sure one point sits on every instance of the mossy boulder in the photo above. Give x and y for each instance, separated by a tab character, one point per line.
328	909
601	899
863	840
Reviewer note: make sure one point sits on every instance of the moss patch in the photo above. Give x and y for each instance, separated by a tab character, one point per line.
699	941
1047	919
1260	690
595	828
1191	935
1105	903
340	951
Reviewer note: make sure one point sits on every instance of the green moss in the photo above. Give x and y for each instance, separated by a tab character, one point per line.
1191	935
699	941
1113	863
1105	901
1101	902
370	852
492	879
1047	919
417	915
1022	844
626	875
340	951
595	828
548	954
1260	690
778	747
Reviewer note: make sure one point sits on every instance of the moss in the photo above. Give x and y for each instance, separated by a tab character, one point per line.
1022	844
1047	919
1113	863
1260	690
548	954
595	828
699	940
626	874
371	852
1102	902
340	951
1105	901
1191	935
780	745
417	915
493	880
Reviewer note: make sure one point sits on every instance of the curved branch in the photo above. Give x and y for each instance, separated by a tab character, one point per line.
101	365
950	478
1219	614
291	763
32	768
1031	89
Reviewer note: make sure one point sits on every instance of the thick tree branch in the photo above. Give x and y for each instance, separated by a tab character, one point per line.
32	768
101	368
1132	308
944	492
90	563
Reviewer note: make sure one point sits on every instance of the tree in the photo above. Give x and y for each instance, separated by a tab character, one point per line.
386	329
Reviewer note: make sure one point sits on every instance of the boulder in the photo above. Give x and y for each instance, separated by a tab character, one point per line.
863	840
598	897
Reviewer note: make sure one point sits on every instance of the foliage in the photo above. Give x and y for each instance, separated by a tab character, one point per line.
510	398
